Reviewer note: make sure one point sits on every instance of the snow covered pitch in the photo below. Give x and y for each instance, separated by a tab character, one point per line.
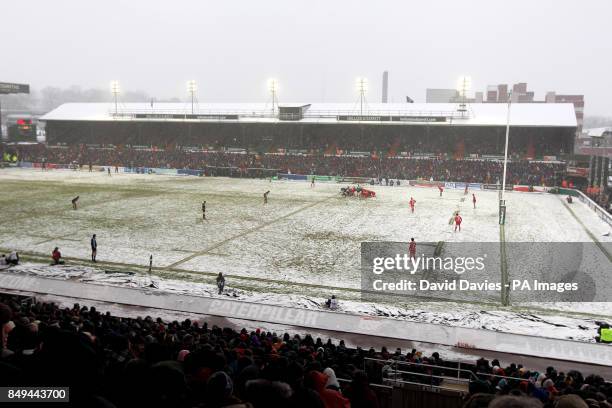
304	234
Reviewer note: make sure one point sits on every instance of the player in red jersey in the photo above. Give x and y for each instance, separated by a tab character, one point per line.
412	248
458	220
412	203
441	190
474	200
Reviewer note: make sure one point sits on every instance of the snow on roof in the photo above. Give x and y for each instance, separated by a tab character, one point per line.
477	114
598	132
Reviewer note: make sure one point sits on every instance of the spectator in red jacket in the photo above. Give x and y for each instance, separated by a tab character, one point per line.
331	398
57	257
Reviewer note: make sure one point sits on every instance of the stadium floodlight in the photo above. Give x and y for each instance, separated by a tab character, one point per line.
273	89
362	88
362	85
192	87
464	84
114	86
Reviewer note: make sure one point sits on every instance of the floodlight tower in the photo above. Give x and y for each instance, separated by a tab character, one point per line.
362	88
463	86
192	87
115	91
273	89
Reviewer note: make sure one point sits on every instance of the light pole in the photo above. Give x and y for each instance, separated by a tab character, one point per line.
192	87
115	91
362	88
463	86
273	89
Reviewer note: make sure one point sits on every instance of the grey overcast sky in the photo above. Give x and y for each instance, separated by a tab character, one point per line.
315	48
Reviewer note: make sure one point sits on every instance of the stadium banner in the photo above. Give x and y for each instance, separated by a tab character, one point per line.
418	118
509	187
355	180
170	172
147	170
461	185
322	178
387	118
184	116
465	271
189	172
530	189
294	177
425	183
47	165
416	156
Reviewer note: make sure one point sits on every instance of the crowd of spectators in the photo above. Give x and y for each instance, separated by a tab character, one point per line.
108	361
603	200
370	166
318	138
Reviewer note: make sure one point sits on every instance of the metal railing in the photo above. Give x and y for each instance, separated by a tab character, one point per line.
602	213
435	380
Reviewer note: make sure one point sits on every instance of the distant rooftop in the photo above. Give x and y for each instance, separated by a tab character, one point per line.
599	132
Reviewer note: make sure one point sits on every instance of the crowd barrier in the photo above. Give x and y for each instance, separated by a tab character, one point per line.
601	213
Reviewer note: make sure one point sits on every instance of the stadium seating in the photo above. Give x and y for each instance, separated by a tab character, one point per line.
112	361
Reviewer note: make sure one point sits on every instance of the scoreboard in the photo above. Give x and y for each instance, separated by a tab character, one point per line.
7	88
21	128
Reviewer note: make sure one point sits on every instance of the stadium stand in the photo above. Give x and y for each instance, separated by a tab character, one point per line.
537	129
110	361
